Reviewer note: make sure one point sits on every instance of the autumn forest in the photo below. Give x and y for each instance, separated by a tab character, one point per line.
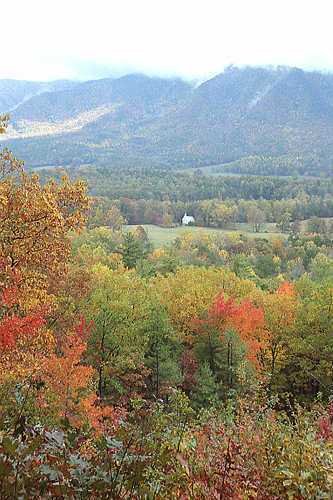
200	369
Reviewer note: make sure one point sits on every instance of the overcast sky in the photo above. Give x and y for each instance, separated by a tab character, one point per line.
51	39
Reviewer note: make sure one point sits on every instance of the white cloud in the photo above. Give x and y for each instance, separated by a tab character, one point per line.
47	39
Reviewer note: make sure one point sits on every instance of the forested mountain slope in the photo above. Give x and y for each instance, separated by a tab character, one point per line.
262	116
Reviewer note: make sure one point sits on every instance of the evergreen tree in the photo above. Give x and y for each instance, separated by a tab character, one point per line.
162	355
206	390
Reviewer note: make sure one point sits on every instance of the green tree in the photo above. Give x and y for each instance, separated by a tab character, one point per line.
162	353
119	307
132	250
205	393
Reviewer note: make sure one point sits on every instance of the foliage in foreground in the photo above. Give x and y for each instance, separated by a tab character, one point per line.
162	450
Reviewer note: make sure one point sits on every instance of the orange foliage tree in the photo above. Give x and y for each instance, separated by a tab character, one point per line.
69	385
35	221
228	329
245	318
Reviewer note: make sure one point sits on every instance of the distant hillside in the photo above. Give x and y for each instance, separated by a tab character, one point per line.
14	93
280	119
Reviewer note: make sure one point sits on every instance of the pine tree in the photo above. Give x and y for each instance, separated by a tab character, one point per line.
205	393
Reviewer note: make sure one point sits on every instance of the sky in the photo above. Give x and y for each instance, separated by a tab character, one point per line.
193	39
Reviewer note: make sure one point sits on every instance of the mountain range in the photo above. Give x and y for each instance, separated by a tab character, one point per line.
248	116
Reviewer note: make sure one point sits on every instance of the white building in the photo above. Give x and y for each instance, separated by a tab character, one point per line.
187	219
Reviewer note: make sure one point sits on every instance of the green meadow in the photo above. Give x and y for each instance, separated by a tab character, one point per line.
160	236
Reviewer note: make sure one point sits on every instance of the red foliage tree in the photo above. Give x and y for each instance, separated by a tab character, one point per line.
14	325
245	318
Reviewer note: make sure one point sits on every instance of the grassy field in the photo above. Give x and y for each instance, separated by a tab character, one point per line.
160	236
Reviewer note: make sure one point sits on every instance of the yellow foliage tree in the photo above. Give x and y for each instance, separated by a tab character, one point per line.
189	292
